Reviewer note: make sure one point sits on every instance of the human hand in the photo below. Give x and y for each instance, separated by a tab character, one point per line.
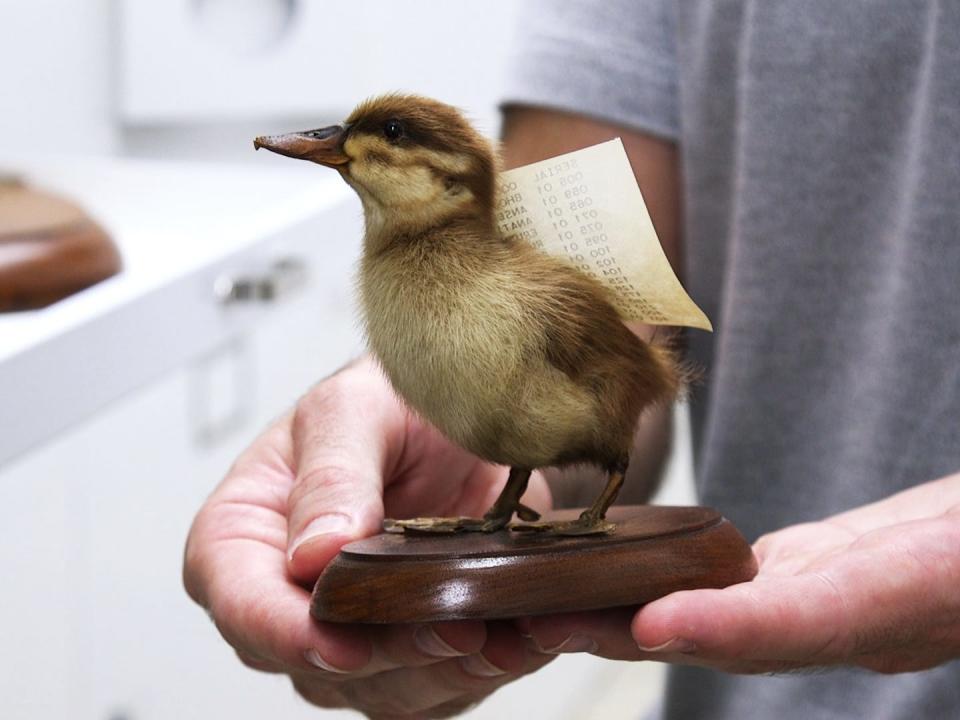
876	587
318	478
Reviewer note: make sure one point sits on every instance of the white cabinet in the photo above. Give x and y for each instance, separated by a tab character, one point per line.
96	623
183	230
209	60
108	450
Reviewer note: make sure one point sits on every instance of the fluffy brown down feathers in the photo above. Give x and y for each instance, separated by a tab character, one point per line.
515	355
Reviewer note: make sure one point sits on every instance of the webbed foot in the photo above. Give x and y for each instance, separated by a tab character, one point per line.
498	518
495	519
586	524
434	525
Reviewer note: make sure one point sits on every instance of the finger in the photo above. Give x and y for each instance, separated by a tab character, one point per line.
399	692
235	567
487	649
318	691
416	645
430	691
240	577
346	432
268	617
259	664
604	632
505	651
863	601
250	503
782	619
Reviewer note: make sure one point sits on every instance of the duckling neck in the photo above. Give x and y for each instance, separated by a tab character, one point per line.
385	229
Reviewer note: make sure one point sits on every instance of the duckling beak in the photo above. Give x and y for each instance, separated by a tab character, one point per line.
323	146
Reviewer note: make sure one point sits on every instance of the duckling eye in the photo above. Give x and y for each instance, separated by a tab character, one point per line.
393	129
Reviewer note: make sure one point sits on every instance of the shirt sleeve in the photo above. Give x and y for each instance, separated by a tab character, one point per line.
610	59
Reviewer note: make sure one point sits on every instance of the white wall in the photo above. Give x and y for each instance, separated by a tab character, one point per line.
55	65
102	76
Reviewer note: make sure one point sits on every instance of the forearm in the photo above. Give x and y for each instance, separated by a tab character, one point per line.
532	134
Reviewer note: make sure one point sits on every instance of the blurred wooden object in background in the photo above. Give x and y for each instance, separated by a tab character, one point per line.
49	248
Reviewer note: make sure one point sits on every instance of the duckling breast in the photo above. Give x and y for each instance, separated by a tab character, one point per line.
464	352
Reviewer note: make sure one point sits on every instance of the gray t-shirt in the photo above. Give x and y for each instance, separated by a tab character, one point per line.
820	146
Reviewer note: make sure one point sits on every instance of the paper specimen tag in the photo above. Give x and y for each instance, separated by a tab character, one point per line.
586	207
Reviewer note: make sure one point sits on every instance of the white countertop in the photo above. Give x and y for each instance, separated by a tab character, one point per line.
168	219
179	226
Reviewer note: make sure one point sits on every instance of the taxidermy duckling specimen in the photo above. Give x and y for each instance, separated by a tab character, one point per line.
511	353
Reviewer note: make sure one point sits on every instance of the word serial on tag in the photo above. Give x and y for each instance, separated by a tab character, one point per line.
586	207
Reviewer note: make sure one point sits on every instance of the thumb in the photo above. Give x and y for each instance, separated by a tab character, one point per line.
780	619
346	432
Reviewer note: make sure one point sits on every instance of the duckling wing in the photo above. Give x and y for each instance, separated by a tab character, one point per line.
582	328
585	338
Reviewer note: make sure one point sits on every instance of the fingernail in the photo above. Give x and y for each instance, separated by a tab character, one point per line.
322	525
316	659
478	666
674	645
429	643
574	644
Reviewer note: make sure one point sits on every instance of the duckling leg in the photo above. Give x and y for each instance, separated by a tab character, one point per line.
509	503
591	521
496	518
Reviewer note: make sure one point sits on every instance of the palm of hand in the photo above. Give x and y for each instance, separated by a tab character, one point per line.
857	594
874	587
316	479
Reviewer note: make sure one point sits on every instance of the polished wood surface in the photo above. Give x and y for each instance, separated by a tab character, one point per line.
49	248
653	551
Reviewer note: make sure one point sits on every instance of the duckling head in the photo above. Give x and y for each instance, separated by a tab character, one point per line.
414	162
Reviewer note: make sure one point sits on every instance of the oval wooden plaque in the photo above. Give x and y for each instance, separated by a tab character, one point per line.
654	551
49	248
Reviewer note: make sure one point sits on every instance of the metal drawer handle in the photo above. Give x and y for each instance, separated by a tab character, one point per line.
281	279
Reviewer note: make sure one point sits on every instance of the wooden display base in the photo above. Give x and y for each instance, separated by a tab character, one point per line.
654	551
49	248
